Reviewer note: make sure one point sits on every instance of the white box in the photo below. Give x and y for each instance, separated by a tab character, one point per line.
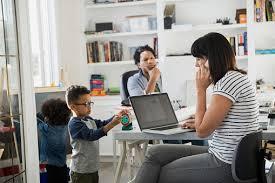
138	23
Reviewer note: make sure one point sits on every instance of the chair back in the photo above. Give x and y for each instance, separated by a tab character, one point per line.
123	86
247	158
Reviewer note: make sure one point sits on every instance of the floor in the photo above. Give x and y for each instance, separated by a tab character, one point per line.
106	173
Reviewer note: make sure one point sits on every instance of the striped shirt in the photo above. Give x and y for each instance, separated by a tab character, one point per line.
241	118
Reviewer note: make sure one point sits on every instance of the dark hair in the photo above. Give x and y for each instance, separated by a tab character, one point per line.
74	92
217	50
56	112
141	49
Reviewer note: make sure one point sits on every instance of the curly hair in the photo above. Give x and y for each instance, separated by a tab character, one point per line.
56	112
141	49
74	92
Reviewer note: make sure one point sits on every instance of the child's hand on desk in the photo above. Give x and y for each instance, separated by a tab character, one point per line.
189	123
116	120
118	116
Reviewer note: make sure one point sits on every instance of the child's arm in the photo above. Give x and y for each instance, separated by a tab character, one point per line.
101	123
115	121
41	124
79	130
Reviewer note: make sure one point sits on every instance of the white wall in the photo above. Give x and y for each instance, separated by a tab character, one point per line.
71	47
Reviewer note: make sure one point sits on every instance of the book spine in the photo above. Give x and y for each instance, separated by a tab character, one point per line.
232	43
241	45
88	53
258	10
120	51
236	45
245	43
101	52
94	51
263	13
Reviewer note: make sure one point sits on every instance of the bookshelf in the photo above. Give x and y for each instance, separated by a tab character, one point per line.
119	34
178	40
189	26
262	45
121	4
208	28
126	62
118	14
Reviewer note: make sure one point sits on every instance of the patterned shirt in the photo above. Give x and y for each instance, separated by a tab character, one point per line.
241	118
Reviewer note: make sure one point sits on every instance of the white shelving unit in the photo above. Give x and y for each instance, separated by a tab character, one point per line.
177	72
122	4
120	34
127	62
207	27
116	13
261	36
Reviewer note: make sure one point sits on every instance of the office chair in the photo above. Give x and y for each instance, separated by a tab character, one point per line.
248	163
123	87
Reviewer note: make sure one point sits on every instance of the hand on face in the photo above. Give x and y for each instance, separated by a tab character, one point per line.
203	79
154	74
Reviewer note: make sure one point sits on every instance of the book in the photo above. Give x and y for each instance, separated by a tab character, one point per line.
104	51
245	43
233	44
240	45
155	46
257	13
269	10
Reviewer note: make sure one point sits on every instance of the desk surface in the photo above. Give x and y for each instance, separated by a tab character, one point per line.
136	134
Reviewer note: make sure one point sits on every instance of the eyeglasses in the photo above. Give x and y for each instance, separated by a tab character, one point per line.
87	104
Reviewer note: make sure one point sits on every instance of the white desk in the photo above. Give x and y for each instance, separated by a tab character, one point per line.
135	134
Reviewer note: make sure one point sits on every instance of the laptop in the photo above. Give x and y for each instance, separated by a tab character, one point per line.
155	114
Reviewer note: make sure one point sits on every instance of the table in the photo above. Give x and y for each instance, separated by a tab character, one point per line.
136	135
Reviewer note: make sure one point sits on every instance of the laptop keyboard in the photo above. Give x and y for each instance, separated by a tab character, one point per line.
167	127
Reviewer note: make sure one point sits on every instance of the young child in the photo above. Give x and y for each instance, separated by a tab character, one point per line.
53	128
84	134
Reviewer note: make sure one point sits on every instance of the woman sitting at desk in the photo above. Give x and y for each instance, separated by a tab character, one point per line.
231	115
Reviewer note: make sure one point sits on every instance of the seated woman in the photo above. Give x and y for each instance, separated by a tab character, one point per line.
234	99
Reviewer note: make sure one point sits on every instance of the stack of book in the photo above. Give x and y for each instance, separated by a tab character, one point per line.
97	85
264	10
109	51
239	44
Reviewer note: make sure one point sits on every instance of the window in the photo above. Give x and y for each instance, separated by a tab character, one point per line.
43	40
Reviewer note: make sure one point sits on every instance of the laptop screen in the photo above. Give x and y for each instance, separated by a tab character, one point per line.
153	110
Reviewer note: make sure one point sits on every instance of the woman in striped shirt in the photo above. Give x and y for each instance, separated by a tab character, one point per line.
231	114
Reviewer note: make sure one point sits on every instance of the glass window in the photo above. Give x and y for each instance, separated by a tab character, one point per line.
43	40
12	160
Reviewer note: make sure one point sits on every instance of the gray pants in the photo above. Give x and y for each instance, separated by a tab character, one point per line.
183	163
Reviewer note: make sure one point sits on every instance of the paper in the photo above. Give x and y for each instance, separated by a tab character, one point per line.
185	113
1	152
268	165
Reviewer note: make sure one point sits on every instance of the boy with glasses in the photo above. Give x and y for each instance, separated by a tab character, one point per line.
84	134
